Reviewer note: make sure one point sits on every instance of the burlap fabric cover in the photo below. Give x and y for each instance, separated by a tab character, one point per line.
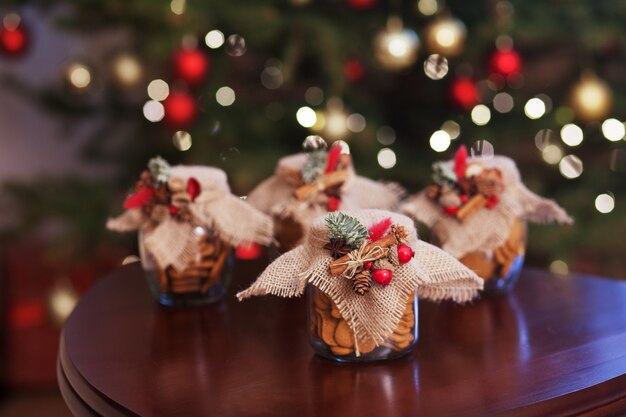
488	228
173	243
274	196
434	274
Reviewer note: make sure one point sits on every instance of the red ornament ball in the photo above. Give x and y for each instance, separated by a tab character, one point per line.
361	4
405	253
13	40
248	251
506	62
353	70
382	276
191	66
180	109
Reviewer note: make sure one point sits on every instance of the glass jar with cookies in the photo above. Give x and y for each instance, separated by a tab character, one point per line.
332	337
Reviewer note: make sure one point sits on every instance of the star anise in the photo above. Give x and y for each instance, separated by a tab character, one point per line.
337	248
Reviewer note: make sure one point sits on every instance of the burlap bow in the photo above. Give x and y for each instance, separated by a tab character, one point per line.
173	243
275	195
488	228
434	274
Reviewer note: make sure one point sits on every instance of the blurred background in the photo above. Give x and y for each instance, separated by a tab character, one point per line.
92	89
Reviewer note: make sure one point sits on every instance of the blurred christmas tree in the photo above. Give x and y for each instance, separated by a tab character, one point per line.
238	84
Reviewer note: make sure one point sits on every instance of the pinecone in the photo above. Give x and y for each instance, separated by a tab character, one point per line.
361	282
401	233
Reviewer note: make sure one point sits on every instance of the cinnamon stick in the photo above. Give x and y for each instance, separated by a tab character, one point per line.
473	205
338	266
329	180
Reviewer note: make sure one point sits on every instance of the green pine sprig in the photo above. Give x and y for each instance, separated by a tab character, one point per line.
444	176
346	228
159	169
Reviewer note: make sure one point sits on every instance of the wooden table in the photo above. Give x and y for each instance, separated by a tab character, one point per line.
556	346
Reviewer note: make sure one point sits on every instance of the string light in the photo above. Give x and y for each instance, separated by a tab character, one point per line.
605	203
386	158
225	96
306	117
396	48
613	130
158	90
446	36
481	115
571	134
214	39
440	141
535	108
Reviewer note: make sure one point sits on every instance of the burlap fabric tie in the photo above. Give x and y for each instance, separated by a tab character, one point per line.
172	242
275	195
488	228
373	316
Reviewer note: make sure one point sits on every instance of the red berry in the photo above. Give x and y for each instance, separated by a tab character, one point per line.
463	198
382	276
492	201
248	251
451	210
405	253
333	204
367	265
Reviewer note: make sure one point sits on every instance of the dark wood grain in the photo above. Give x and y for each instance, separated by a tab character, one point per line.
555	347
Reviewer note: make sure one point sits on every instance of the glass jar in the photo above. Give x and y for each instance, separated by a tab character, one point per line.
288	233
331	337
502	266
204	281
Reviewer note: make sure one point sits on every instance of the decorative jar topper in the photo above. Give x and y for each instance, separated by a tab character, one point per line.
365	269
308	185
477	209
187	221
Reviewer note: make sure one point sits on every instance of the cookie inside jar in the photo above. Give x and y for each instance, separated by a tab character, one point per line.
331	336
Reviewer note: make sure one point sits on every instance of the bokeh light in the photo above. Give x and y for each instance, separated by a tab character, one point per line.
571	166
552	154
503	102
386	158
440	141
314	96
158	90
534	108
236	45
356	123
482	148
436	67
178	6
153	111
182	140
613	130
386	135
306	116
605	203
559	267
127	69
427	7
225	96
214	39
571	134
452	128
481	115
79	76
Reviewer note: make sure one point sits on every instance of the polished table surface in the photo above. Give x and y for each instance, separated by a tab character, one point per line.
556	346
